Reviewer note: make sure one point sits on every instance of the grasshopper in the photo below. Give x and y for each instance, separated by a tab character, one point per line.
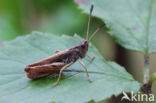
61	60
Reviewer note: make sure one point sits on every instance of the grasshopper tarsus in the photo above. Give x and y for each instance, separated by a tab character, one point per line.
61	60
54	85
90	81
57	51
91	58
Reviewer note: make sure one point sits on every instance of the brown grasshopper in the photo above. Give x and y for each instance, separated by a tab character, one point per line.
62	59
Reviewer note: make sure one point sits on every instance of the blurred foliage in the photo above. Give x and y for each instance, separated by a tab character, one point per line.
66	19
7	30
57	17
19	17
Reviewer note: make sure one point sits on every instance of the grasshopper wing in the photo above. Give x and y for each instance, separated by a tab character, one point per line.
35	72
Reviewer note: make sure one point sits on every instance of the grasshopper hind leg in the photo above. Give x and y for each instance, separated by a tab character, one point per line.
60	74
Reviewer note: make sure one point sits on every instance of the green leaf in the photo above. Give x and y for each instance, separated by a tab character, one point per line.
108	77
130	22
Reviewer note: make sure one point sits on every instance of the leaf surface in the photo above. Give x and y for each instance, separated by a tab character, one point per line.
131	22
108	77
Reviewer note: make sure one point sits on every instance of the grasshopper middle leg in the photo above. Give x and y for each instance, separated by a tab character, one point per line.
80	61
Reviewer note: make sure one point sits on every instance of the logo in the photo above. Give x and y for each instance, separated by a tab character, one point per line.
138	97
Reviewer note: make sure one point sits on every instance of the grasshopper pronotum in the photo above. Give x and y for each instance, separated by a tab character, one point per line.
62	59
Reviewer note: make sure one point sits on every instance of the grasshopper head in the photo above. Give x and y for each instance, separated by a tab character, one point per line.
83	48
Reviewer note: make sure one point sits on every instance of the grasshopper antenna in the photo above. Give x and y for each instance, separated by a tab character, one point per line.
95	32
90	14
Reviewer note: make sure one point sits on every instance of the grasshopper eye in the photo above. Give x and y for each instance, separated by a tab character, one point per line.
82	46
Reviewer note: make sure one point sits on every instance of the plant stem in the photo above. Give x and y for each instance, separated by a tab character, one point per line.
146	69
146	87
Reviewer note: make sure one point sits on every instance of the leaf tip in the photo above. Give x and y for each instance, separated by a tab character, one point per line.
37	33
81	1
